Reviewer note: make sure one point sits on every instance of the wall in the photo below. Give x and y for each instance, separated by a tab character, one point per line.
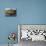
28	12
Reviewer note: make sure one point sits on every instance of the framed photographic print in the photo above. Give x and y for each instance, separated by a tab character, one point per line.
10	12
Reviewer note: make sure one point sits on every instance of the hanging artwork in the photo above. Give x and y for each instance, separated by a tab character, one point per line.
10	12
32	32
